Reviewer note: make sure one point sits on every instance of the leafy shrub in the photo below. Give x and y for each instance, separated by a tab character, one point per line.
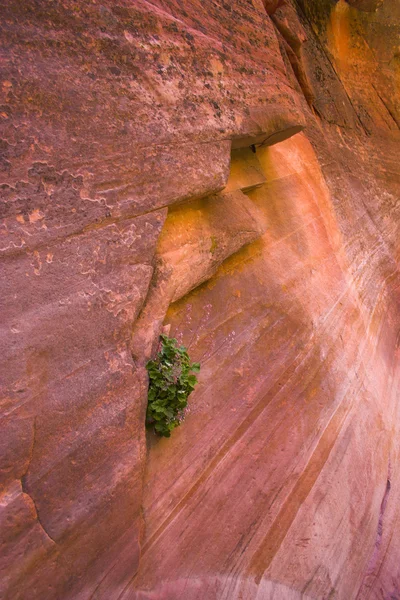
171	381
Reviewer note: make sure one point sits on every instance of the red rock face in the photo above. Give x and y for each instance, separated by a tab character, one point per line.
272	5
131	200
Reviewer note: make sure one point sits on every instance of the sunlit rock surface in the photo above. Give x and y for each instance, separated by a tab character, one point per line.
229	169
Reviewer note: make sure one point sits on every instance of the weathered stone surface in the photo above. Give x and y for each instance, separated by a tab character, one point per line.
362	48
293	36
70	401
109	113
275	475
47	204
272	5
197	237
277	266
276	485
367	5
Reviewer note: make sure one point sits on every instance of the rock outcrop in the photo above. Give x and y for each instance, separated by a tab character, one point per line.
228	169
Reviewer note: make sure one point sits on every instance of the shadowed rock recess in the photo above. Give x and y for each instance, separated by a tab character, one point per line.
230	170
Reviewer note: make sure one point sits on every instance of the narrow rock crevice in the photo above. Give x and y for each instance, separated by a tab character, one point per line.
31	500
24	484
385	104
292	35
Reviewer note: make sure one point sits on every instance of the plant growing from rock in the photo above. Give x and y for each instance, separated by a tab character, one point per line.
171	381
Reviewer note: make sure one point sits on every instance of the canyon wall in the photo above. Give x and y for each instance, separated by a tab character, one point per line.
229	170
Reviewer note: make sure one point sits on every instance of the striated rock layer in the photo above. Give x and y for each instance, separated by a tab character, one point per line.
228	169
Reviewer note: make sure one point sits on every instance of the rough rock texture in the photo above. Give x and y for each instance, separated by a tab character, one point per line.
131	200
110	112
272	5
367	5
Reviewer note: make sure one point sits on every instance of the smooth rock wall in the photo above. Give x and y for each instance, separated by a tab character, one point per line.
131	200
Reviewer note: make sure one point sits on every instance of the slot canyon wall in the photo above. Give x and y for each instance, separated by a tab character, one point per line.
229	169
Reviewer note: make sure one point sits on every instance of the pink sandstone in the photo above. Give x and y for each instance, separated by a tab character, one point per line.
229	170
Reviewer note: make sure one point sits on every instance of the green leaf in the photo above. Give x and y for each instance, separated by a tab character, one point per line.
171	381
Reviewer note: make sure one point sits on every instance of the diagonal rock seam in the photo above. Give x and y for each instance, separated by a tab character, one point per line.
24	485
26	493
292	46
385	104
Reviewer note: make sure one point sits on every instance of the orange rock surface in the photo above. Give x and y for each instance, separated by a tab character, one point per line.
229	170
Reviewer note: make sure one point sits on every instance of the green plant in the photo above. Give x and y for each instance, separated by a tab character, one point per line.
171	381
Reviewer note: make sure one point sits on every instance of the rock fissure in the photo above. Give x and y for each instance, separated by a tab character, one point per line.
385	104
37	515
25	486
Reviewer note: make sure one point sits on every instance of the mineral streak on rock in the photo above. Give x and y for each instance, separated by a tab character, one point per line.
229	169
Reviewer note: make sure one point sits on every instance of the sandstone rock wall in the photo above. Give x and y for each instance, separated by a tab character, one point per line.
132	199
